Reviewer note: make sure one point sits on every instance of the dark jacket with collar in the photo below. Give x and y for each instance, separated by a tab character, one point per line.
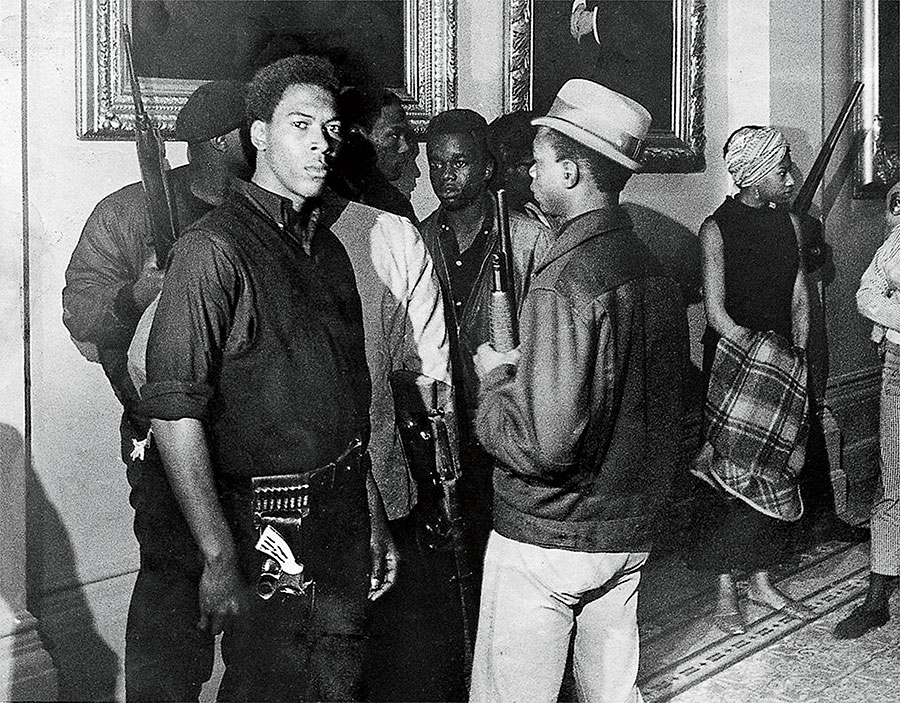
587	429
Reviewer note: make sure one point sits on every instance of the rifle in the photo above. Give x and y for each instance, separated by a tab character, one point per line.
504	327
815	253
431	458
815	249
449	474
154	168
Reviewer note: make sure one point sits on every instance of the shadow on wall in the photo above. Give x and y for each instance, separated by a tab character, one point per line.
677	249
675	246
87	667
12	449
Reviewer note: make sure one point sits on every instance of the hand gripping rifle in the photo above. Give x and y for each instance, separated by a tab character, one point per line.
504	326
425	429
154	168
814	248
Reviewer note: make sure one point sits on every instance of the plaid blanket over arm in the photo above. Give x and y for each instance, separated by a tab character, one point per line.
755	421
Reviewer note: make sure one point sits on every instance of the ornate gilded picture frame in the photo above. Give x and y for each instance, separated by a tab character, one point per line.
652	51
876	28
179	44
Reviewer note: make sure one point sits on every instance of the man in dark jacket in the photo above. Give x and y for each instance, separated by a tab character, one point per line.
584	420
112	277
461	236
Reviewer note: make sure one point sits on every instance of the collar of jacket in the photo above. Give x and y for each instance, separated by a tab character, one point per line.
586	226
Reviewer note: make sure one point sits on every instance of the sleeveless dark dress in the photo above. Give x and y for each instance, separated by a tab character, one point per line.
761	263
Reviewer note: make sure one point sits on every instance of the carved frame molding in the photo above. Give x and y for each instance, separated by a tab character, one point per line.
877	168
677	149
105	110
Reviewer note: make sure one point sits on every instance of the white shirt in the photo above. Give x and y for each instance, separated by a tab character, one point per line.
403	320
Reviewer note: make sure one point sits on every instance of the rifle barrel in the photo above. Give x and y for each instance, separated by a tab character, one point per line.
808	190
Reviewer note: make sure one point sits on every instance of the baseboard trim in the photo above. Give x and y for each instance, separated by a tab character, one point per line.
27	672
850	388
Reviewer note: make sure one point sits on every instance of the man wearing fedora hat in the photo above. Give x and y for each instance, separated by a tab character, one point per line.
583	419
113	275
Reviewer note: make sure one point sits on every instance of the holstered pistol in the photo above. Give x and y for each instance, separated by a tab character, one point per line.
280	504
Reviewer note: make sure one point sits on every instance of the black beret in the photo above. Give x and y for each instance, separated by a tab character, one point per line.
214	109
457	122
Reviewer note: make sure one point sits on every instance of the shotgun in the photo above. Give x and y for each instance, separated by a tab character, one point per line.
154	168
504	327
815	249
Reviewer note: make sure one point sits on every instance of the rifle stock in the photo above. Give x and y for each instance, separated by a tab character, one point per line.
154	169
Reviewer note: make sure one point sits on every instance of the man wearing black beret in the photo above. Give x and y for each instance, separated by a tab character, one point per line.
112	277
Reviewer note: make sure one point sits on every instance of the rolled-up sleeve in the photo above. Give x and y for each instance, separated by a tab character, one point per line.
196	313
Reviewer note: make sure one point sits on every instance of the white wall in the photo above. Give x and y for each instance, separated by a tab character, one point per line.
79	537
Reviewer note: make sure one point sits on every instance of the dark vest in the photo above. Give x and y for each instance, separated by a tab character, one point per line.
297	396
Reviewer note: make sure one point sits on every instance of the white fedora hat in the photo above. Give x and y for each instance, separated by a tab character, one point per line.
601	119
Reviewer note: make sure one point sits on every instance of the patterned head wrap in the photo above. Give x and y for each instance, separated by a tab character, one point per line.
751	153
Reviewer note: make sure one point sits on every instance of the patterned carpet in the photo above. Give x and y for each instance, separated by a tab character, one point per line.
681	648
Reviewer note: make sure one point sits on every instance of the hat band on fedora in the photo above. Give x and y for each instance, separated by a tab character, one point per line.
625	143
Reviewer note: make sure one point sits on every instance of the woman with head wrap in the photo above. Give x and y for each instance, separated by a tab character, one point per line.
878	299
755	292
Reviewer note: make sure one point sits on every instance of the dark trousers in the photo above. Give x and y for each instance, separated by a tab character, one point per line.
310	647
272	654
415	645
167	658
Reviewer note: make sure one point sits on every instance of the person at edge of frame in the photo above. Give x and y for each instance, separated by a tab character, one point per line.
583	419
256	374
111	278
877	300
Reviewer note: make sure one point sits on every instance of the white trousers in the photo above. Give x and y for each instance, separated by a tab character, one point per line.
885	522
532	601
